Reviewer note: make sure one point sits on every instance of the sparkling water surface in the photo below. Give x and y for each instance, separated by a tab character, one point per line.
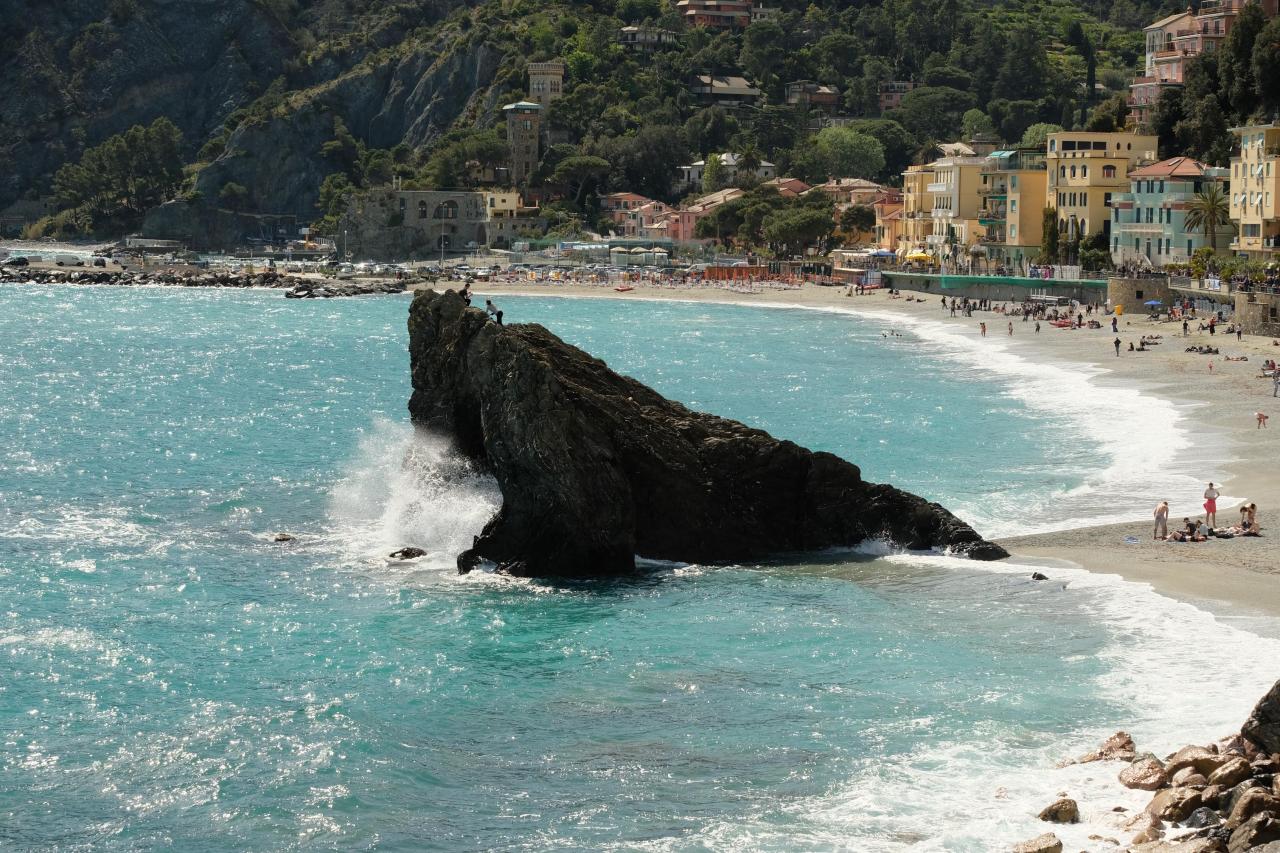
171	677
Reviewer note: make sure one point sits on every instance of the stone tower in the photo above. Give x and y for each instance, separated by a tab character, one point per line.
524	133
546	81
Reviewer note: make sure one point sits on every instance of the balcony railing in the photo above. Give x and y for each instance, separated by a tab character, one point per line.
938	187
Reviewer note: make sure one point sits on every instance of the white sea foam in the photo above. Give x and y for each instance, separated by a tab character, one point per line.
1137	435
983	793
408	487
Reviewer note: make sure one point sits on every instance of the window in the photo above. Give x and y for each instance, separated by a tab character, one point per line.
1062	171
1150	211
1084	171
1013	231
1084	198
1013	204
422	210
1108	171
1073	171
1161	187
1189	252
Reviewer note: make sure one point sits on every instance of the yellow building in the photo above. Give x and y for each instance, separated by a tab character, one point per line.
956	202
1255	191
1013	202
917	208
1085	169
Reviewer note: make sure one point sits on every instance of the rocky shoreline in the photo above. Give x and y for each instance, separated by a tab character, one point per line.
294	287
1222	797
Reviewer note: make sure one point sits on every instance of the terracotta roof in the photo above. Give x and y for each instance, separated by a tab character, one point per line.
1175	167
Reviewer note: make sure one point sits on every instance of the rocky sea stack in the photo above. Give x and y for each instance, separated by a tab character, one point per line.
596	468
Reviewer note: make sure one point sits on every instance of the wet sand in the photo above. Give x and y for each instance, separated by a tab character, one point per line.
1235	578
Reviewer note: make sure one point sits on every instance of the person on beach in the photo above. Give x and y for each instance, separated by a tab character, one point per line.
1117	343
1211	505
1203	532
1010	328
1037	327
1239	333
1115	326
1186	328
1262	419
1275	384
1162	520
983	327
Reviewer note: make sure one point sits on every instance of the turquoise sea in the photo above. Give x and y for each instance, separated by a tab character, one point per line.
172	678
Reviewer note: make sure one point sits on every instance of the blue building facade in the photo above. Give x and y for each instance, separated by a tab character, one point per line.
1148	223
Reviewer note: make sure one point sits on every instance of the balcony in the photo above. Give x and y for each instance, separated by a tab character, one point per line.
938	187
993	190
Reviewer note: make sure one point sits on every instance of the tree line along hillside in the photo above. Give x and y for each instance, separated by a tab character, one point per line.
1000	68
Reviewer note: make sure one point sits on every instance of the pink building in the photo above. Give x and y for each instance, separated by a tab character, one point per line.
617	206
1172	41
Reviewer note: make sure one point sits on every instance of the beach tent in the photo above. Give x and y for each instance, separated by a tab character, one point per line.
919	256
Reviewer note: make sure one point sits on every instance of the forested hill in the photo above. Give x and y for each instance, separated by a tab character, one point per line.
273	97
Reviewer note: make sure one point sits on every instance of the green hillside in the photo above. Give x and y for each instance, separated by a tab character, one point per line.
285	105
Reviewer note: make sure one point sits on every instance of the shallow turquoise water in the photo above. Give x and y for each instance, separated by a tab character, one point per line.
172	678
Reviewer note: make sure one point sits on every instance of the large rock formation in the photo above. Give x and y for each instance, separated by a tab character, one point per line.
596	468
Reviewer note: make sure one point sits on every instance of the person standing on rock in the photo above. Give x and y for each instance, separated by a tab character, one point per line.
1162	520
1211	505
492	311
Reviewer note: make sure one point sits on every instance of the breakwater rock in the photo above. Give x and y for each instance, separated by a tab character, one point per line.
295	287
595	467
1222	797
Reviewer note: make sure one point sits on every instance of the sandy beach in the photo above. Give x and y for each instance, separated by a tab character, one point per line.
1233	578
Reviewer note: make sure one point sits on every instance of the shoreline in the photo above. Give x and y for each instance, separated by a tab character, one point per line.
1233	579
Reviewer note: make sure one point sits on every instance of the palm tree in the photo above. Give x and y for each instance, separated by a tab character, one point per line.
750	159
1208	209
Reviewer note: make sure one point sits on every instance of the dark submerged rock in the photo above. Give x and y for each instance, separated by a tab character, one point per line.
596	468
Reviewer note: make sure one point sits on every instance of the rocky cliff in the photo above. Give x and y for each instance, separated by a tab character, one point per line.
596	468
263	79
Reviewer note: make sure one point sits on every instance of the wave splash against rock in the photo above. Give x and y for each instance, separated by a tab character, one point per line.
595	467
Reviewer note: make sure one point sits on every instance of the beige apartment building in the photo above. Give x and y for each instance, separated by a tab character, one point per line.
1086	169
1013	202
956	202
1255	191
917	207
